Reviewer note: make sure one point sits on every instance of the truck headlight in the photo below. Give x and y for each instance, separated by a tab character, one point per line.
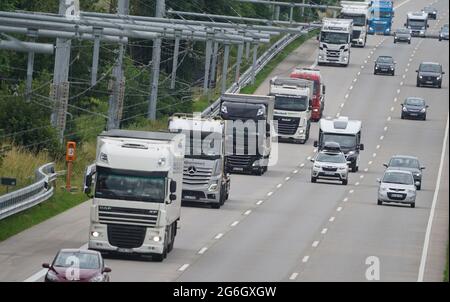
97	278
213	186
301	131
256	164
95	234
156	238
224	109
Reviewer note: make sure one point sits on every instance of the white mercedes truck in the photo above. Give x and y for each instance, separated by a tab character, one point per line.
358	11
346	133
205	179
136	195
335	42
292	109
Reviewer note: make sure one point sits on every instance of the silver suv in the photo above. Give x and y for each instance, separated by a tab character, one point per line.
330	163
397	186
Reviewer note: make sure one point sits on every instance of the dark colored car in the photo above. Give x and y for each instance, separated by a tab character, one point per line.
443	33
75	265
407	163
431	11
402	35
384	65
429	74
414	107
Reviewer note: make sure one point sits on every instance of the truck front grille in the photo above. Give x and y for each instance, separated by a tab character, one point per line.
126	236
196	175
333	55
286	126
239	161
127	216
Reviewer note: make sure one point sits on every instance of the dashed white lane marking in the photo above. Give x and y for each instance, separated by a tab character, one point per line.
404	77
366	169
359	72
315	244
218	236
269	194
378	147
287	178
235	223
398	91
365	61
331	219
279	186
305	259
395	100
342	105
183	267
357	183
350	88
381	137
309	158
302	165
351	191
339	209
408	64
370	162
293	276
362	66
324	231
338	114
406	70
410	60
374	155
295	171
346	96
385	128
362	176
389	119
246	213
401	83
203	250
315	150
354	80
259	202
345	199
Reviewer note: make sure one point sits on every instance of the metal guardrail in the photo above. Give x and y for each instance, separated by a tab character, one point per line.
30	196
261	62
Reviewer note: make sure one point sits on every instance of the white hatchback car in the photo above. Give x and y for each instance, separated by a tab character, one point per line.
397	186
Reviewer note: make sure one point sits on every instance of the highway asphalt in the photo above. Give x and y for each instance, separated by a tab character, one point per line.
281	227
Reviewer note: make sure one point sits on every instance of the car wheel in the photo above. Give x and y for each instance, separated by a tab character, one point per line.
440	86
345	182
380	203
440	39
215	205
417	84
313	179
409	42
424	117
354	167
413	205
402	116
419	187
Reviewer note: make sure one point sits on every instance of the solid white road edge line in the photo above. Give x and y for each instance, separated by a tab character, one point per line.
426	243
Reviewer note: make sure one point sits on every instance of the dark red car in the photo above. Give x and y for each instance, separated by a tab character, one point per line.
75	265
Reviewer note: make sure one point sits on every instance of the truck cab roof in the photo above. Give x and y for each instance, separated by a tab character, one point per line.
155	136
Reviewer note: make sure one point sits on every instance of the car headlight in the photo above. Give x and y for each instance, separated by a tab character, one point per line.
411	191
51	276
383	189
420	77
423	110
224	109
350	153
97	278
438	78
317	166
342	168
405	109
392	67
417	174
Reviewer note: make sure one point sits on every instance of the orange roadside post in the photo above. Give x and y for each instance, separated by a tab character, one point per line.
70	158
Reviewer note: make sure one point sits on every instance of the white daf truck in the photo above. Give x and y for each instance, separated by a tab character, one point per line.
292	109
335	42
205	179
358	11
136	196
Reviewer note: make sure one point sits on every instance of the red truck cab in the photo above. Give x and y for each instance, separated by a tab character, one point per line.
318	101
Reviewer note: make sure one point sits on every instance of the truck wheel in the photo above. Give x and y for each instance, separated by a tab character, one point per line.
215	205
172	237
380	203
313	179
413	205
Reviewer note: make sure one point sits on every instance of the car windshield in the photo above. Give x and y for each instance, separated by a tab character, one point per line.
129	185
445	29
430	68
299	103
344	141
402	162
415	102
403	31
78	260
333	37
386	60
337	158
398	178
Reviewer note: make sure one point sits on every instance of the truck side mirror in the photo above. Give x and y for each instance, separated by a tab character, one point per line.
361	147
323	89
317	38
443	72
405	25
173	186
90	171
316	144
386	165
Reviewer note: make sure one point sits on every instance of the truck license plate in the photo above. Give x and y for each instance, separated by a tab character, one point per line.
127	251
190	197
238	169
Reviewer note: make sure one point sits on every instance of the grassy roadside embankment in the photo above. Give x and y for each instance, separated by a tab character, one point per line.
63	200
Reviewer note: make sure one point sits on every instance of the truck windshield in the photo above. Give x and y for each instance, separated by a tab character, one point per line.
201	144
333	37
416	23
130	185
358	20
299	103
345	141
